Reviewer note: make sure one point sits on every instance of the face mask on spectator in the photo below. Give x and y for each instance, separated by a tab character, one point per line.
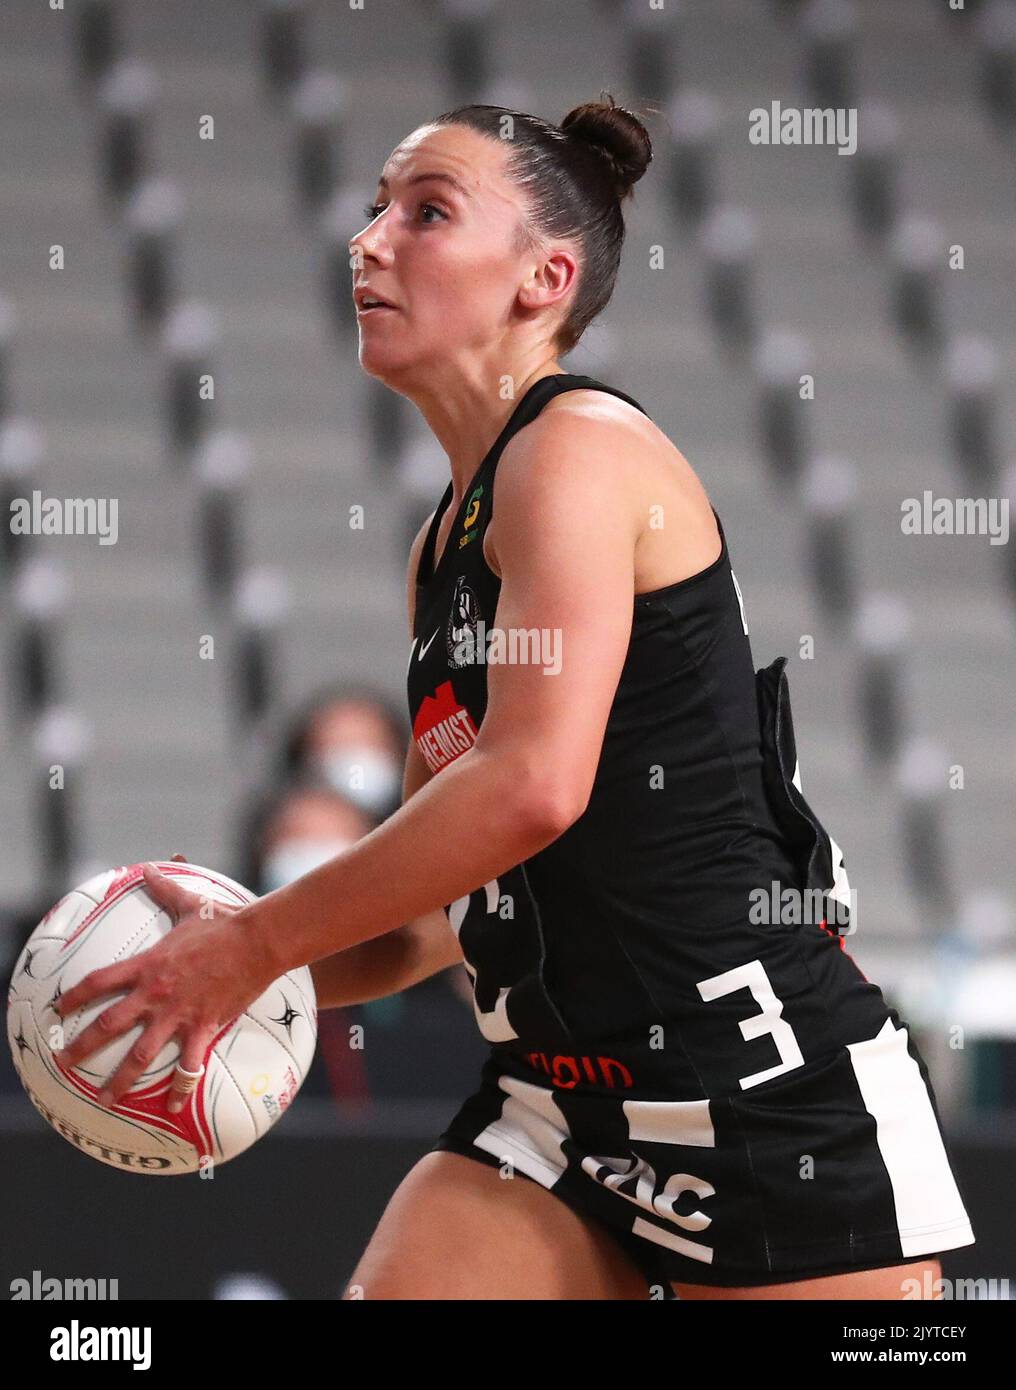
371	779
291	859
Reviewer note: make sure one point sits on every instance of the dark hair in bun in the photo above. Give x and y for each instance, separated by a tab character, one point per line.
575	175
617	135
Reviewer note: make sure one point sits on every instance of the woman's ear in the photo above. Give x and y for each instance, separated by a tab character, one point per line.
550	280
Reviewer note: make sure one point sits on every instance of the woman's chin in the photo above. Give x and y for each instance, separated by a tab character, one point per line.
382	362
373	359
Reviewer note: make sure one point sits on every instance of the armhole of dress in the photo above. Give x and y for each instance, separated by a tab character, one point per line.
595	386
588	384
425	566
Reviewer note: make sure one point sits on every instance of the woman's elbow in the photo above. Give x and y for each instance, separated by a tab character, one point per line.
546	803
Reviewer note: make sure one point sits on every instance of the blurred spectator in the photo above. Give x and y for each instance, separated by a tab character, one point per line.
352	735
420	1041
304	825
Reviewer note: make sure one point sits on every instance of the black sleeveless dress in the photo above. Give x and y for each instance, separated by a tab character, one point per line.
676	1032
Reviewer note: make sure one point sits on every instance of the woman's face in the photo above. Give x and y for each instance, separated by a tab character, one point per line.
442	249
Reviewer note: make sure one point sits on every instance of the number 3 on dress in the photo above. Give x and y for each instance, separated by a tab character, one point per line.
493	1024
753	977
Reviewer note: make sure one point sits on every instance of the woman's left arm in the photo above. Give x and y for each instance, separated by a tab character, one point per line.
566	532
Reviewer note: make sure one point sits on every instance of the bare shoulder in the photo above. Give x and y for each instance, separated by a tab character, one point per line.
578	429
599	410
590	439
598	427
600	405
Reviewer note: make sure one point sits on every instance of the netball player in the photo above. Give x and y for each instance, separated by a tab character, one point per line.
674	1093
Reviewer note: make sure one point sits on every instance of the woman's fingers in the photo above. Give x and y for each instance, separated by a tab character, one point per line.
136	1063
119	1018
111	979
181	857
189	1068
167	893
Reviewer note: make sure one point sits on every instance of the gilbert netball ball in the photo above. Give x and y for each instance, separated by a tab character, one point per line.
253	1069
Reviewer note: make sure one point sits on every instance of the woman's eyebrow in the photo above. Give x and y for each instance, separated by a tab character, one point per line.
421	178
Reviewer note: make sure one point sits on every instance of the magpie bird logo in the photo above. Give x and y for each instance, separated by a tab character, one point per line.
462	621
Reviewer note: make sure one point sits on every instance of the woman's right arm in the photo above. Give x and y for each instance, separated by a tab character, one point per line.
392	962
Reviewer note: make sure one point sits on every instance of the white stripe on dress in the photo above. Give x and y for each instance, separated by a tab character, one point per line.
529	1132
930	1214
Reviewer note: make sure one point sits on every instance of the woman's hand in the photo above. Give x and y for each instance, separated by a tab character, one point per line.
190	986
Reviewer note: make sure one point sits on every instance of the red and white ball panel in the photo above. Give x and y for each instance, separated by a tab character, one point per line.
252	1071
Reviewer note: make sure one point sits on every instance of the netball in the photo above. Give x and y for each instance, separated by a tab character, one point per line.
254	1068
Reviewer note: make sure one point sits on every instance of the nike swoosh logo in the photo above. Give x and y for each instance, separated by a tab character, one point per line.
419	654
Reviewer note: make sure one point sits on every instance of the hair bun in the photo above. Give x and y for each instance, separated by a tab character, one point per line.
615	133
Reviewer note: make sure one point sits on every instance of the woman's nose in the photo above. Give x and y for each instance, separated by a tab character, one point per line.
369	246
372	238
